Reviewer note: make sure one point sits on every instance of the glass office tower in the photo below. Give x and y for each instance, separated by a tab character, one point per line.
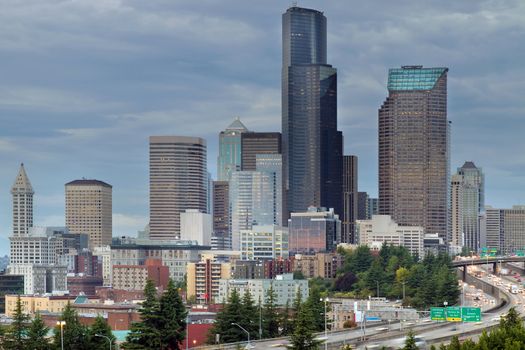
229	159
413	149
312	146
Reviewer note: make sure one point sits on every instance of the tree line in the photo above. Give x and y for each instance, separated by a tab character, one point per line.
263	319
393	272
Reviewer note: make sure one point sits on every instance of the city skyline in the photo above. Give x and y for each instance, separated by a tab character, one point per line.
98	125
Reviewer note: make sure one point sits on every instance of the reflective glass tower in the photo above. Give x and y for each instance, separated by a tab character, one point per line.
312	146
229	159
413	149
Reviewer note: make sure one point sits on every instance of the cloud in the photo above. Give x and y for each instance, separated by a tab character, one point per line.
128	225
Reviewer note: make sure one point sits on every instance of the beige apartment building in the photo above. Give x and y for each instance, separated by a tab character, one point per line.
203	279
89	210
37	303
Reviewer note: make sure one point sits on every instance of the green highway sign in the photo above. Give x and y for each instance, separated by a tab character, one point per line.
471	314
453	314
437	314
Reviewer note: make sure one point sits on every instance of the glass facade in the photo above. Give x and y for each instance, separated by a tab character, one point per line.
229	159
312	146
314	231
413	149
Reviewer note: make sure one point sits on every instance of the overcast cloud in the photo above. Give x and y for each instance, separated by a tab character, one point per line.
85	82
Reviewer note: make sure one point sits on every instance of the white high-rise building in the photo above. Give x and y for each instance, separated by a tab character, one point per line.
22	193
264	242
382	229
196	226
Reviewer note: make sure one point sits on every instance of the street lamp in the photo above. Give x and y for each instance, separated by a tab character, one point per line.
445	303
103	336
326	300
61	324
403	283
245	331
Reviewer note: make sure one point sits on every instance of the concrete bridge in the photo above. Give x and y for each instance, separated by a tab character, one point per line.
494	261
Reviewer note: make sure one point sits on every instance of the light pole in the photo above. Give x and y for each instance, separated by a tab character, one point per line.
405	282
245	331
326	300
61	324
103	336
445	303
260	319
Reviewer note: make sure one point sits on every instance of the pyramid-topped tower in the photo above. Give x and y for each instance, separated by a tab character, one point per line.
22	193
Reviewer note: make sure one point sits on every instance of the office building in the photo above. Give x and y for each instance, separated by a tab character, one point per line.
467	204
178	181
221	238
363	202
312	145
196	226
10	284
89	210
505	229
255	143
264	242
272	165
284	287
382	229
373	207
104	257
313	231
413	149
349	214
229	159
173	254
203	278
22	196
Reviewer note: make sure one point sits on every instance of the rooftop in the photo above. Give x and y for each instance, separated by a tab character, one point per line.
409	78
88	182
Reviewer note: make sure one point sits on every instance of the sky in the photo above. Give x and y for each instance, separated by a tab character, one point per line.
83	83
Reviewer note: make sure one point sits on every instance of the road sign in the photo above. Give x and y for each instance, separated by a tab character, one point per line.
437	314
453	314
471	314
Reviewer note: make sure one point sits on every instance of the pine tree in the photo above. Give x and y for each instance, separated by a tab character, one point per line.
37	335
172	318
100	327
230	313
303	337
145	334
75	334
285	320
315	305
15	338
270	315
250	315
410	342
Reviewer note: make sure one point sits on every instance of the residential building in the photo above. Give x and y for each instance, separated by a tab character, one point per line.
350	196
413	149
312	145
229	159
196	226
258	143
320	265
467	204
134	277
174	254
22	199
284	287
382	229
505	229
178	181
89	210
221	238
313	231
262	269
264	242
104	256
202	279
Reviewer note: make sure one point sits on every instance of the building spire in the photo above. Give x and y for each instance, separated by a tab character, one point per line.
22	183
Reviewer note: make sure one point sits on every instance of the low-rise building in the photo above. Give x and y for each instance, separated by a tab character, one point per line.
202	279
382	229
38	303
134	277
323	265
284	286
10	284
313	231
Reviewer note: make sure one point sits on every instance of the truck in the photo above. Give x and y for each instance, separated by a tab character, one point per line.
513	289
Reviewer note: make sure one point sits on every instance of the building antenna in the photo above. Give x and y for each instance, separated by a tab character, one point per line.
294	3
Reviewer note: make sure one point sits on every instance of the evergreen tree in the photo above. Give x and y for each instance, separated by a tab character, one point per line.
303	337
15	338
285	320
316	305
270	315
37	335
75	334
297	301
145	334
410	342
223	326
250	315
172	318
100	327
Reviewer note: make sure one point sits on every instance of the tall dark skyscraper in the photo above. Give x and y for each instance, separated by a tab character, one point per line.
413	149
349	199
254	143
312	146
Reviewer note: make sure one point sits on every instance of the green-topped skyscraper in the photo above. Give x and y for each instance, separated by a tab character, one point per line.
414	149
